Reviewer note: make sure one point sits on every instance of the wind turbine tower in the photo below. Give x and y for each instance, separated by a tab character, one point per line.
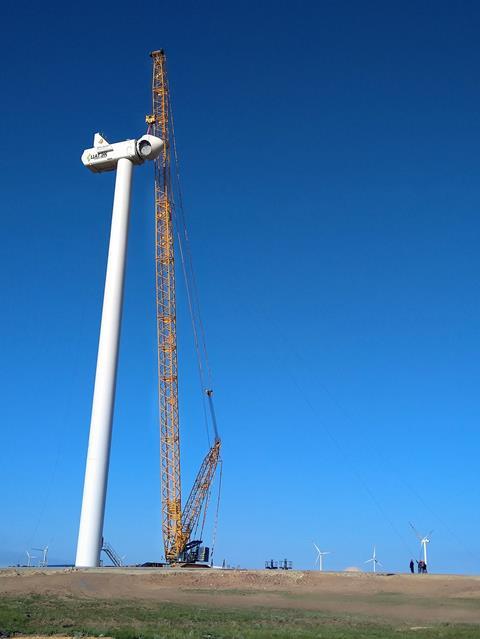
319	557
423	542
374	560
44	560
120	157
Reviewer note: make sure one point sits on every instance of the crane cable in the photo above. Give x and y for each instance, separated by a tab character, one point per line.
193	283
354	468
195	333
203	364
215	521
198	330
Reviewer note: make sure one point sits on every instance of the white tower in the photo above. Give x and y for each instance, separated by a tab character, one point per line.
374	560
319	557
108	157
424	540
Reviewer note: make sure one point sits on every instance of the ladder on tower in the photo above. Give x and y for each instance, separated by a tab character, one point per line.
112	554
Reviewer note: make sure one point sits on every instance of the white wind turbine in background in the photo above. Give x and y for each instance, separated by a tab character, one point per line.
44	561
29	557
374	560
319	557
423	542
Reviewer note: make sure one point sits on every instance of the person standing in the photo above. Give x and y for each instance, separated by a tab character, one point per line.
412	566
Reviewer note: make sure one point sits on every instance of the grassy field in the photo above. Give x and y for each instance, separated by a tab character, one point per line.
46	615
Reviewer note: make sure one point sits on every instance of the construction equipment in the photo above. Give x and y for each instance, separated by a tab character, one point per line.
177	525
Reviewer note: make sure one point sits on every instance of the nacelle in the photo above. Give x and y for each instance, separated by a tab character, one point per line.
104	156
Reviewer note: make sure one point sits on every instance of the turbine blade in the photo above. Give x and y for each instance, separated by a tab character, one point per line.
316	547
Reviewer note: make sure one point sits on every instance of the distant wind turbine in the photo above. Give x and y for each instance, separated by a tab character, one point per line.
44	561
423	542
374	560
319	557
29	557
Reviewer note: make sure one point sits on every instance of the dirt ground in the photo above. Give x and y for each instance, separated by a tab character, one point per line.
415	599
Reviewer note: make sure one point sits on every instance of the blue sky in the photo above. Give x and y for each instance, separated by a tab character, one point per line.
329	155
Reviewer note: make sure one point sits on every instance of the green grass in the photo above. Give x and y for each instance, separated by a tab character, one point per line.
142	620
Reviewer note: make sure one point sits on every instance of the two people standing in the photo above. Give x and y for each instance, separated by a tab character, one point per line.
422	567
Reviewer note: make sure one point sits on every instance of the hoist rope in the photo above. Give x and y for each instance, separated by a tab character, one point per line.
203	366
189	261
354	469
195	335
193	303
215	521
205	508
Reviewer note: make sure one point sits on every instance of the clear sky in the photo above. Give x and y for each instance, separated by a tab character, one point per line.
331	175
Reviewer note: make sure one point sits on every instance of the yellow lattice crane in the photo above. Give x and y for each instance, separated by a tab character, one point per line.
177	525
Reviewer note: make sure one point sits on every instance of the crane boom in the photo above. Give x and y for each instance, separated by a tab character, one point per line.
200	490
166	321
177	526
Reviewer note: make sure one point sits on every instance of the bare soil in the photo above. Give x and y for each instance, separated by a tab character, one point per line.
413	599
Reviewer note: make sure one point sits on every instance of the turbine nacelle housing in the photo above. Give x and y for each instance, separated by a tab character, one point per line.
104	156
